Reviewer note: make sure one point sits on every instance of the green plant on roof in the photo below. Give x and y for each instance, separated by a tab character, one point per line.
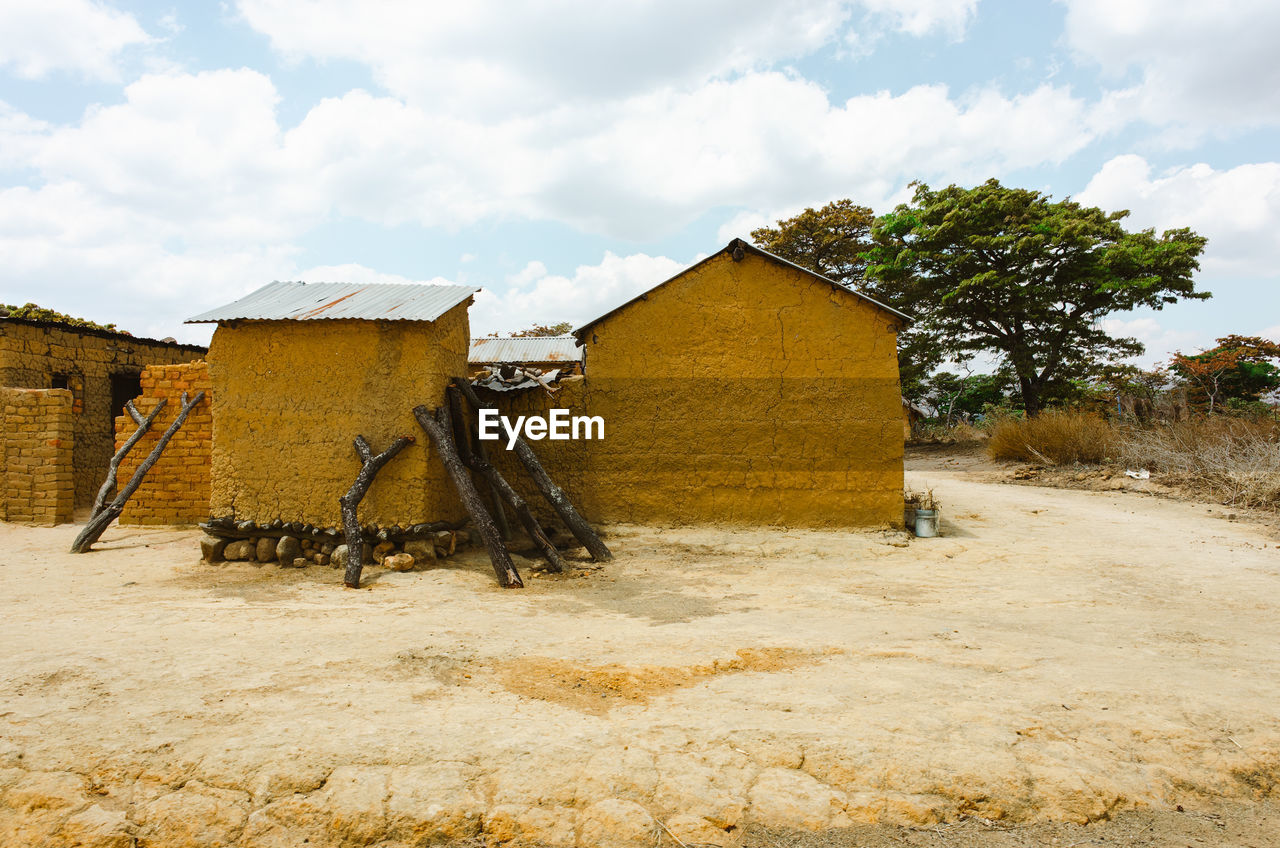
32	312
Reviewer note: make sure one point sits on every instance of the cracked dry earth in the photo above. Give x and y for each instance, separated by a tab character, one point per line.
1058	658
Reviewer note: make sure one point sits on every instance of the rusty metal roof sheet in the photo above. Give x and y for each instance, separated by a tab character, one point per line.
746	247
528	349
287	301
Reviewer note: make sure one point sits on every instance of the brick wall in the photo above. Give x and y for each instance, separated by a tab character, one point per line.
176	489
34	354
38	444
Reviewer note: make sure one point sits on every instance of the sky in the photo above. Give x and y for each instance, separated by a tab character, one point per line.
160	159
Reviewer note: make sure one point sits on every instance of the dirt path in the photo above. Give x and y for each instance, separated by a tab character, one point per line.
1059	656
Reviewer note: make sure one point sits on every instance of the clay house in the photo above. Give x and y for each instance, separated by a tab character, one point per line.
745	389
546	353
300	369
92	373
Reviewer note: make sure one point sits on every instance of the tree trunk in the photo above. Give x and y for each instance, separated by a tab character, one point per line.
113	467
1030	390
99	523
440	429
471	452
370	465
502	491
553	493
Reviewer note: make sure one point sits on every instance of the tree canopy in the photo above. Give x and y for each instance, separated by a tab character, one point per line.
1011	272
831	241
835	241
1236	368
544	330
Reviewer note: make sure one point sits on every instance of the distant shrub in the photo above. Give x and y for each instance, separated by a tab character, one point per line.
1242	408
1232	460
936	431
1053	438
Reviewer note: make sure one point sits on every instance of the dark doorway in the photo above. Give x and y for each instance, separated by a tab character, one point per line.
124	388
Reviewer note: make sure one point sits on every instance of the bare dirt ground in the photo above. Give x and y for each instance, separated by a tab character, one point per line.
1061	668
969	461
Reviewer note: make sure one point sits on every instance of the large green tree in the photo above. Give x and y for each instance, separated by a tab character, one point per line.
835	241
1010	272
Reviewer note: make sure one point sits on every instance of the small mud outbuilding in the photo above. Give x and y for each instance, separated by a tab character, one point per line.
300	369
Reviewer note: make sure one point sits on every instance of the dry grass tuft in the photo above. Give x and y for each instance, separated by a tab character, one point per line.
1053	438
1232	460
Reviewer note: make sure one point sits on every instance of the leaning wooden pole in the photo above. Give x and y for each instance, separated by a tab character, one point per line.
473	452
113	468
99	523
502	491
370	465
555	496
440	429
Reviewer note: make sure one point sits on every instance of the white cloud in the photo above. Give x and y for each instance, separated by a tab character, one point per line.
589	293
1159	340
923	17
193	166
742	223
490	56
531	272
78	36
1202	67
351	272
1237	209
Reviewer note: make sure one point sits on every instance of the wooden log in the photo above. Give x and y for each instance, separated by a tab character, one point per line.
521	509
370	465
98	524
555	496
113	467
475	452
440	429
502	491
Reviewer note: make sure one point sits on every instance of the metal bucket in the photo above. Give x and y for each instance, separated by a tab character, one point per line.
926	523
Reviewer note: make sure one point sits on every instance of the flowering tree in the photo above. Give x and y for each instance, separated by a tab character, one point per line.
1237	367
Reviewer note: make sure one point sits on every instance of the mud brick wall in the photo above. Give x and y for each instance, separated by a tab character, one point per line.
38	443
176	489
747	392
742	392
293	395
33	352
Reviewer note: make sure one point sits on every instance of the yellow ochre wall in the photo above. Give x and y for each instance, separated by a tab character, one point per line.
744	392
291	396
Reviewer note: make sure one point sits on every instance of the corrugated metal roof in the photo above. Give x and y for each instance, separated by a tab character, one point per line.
745	247
528	349
286	301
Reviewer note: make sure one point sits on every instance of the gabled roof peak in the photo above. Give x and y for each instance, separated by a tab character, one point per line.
738	248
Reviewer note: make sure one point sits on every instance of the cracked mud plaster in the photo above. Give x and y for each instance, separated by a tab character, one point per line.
292	395
739	392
